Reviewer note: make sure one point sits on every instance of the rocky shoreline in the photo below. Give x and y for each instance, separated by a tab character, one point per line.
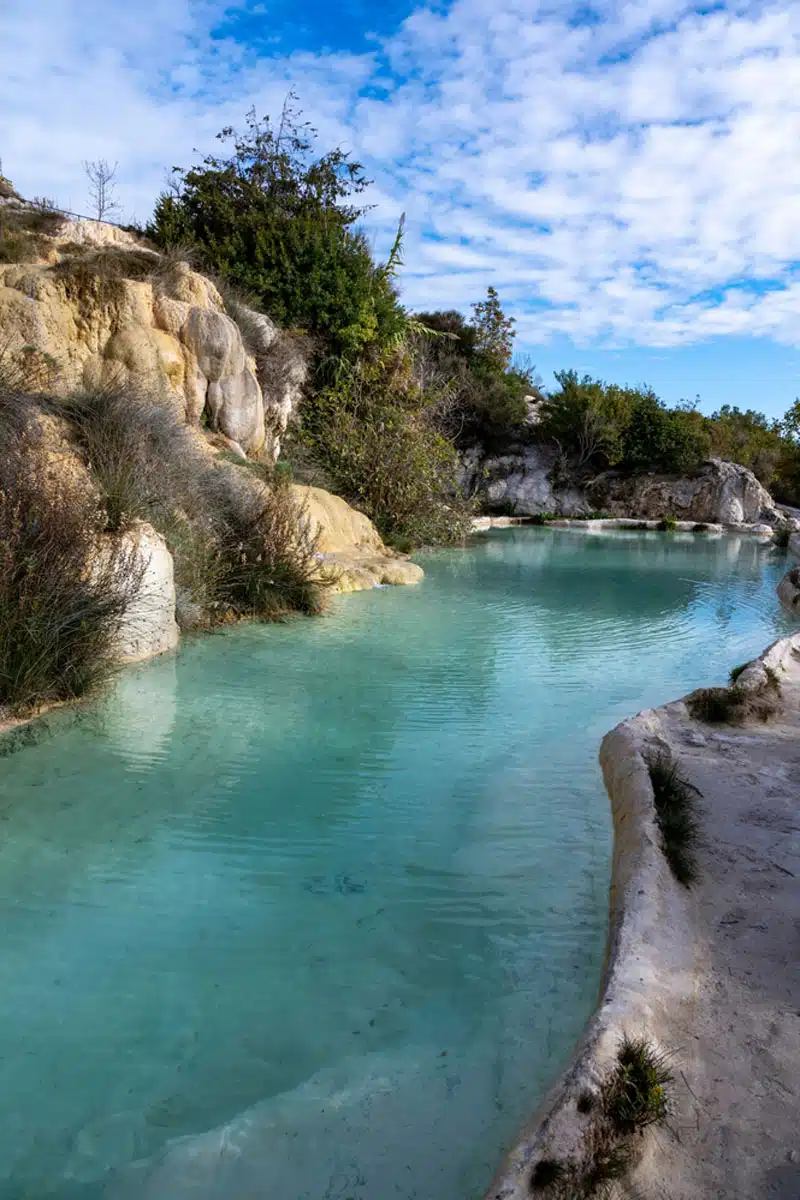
671	973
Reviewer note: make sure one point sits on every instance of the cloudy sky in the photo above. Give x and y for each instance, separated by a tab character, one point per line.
625	172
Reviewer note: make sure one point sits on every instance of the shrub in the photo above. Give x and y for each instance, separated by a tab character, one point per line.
239	540
277	221
782	537
635	1096
656	438
675	801
267	552
735	705
737	671
372	434
64	587
667	524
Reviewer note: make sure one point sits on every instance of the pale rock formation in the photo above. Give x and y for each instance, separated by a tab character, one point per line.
350	546
168	333
718	493
522	481
707	977
149	625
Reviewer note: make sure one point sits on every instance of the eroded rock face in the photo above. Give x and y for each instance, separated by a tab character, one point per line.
718	493
522	481
169	333
149	625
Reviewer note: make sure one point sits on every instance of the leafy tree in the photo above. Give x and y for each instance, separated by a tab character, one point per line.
586	418
278	221
494	332
660	439
471	361
748	438
600	425
790	425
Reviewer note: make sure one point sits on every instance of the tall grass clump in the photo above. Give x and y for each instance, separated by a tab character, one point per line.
64	588
24	230
240	543
634	1096
736	704
675	801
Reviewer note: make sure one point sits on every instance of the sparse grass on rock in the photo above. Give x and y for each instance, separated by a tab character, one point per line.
675	801
240	543
64	586
634	1097
735	705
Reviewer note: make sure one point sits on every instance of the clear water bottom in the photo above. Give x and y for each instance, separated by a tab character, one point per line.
318	912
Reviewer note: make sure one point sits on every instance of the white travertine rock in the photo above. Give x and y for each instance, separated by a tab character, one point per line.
168	333
718	492
149	627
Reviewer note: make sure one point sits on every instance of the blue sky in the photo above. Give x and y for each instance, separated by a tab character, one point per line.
625	173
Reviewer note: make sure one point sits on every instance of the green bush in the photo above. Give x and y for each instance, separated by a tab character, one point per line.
656	439
278	222
675	801
240	542
372	434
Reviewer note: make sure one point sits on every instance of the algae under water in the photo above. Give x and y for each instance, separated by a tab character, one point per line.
318	911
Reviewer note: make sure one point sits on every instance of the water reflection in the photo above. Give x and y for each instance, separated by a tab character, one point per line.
294	863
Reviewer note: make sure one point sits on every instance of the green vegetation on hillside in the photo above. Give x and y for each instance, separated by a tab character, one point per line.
394	396
239	541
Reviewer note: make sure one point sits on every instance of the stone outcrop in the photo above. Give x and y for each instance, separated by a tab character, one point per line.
685	969
349	545
165	328
521	483
717	493
149	625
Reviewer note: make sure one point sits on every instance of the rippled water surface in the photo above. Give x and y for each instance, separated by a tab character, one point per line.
328	900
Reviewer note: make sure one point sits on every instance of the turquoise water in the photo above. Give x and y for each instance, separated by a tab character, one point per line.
317	912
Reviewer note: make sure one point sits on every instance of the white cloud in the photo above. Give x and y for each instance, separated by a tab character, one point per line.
621	180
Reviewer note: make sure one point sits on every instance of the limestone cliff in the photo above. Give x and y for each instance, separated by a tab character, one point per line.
96	306
528	481
91	306
717	492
